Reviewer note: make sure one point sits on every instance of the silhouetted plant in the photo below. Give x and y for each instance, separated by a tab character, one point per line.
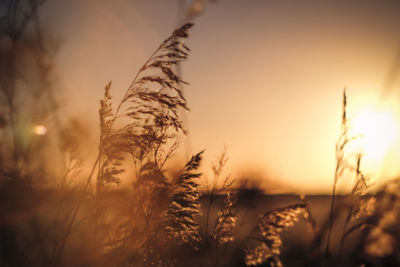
185	205
214	187
268	242
146	126
343	163
380	230
362	205
224	227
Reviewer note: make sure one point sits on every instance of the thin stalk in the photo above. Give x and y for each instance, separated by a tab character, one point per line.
341	165
58	251
331	215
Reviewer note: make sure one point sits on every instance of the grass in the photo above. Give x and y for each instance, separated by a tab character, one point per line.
171	220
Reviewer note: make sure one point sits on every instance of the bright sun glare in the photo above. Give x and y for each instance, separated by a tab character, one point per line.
378	130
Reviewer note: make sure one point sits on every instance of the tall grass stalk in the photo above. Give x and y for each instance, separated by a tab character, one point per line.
341	166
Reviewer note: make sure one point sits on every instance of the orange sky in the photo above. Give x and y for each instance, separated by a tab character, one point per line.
266	76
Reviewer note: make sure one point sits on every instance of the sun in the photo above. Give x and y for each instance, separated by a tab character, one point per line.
377	130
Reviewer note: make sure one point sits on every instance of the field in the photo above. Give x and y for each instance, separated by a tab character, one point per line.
130	204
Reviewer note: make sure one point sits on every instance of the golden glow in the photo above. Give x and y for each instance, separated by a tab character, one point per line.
40	129
378	131
244	100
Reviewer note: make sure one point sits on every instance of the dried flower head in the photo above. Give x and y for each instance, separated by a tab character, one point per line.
113	144
365	208
381	240
185	205
226	222
270	226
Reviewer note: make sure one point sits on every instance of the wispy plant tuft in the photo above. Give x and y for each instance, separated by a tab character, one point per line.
362	204
153	99
112	144
224	228
185	206
343	164
146	125
381	238
269	242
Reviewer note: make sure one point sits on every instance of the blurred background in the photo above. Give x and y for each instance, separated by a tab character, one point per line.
266	77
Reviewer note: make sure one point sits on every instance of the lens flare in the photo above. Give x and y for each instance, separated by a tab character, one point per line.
40	129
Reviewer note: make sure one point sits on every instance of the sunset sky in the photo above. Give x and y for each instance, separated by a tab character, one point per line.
266	77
